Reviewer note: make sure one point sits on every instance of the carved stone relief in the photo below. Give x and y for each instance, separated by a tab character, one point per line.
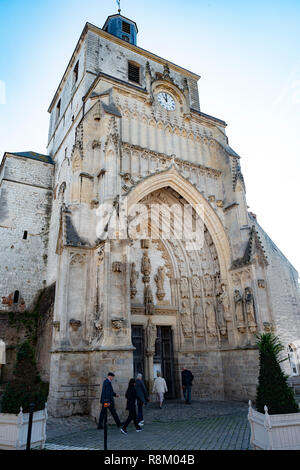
148	300
249	309
134	275
210	318
185	316
151	335
199	318
196	286
239	313
117	324
208	285
184	288
146	267
159	280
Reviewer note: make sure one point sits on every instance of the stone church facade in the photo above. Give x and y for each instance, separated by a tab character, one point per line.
131	161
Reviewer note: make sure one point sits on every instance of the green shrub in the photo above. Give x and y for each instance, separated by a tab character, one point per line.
27	386
273	389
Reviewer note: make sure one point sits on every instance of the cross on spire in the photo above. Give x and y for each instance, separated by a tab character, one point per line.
119	5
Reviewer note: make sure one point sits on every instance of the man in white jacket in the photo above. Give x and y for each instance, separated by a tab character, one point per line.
160	387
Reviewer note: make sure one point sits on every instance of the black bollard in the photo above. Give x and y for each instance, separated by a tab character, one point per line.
106	405
31	410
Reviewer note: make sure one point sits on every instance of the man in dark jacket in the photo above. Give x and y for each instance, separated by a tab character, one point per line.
107	396
187	379
142	397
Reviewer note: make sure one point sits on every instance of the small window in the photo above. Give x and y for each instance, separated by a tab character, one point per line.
75	73
159	76
58	109
125	38
133	72
125	27
16	297
25	235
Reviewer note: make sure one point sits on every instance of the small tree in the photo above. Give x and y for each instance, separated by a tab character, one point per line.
27	386
273	389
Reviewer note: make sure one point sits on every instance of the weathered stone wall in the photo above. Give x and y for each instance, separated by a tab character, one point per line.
77	380
206	366
282	280
25	195
240	374
103	55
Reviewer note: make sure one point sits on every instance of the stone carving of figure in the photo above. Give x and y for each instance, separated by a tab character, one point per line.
210	318
160	279
208	285
186	319
146	265
151	335
239	314
198	318
184	287
223	298
134	275
205	264
196	285
148	300
249	309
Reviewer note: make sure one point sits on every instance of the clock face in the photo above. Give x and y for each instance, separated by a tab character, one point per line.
166	101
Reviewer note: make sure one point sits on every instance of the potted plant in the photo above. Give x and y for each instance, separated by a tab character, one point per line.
275	424
26	388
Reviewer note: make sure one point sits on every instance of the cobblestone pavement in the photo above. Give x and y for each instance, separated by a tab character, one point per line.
203	425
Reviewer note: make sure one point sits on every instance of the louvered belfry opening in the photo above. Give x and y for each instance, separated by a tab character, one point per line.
133	72
125	27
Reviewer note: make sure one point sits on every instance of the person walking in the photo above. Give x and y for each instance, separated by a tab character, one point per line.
107	396
142	398
131	396
160	387
187	381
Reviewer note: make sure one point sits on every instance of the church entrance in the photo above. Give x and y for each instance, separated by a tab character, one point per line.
137	333
163	359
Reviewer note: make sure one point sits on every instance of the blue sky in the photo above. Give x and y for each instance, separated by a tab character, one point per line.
248	56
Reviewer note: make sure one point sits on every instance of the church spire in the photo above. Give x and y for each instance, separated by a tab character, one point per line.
119	5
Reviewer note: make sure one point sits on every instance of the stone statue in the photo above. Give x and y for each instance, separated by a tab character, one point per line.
249	309
208	285
198	318
146	267
148	300
223	298
196	285
134	275
151	335
184	287
221	316
160	279
210	318
239	314
185	315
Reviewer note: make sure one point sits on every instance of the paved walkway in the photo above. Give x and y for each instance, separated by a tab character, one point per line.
203	425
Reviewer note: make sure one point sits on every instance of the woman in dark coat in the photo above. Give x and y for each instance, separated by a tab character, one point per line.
131	407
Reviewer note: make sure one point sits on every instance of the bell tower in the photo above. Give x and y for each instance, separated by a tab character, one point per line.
122	28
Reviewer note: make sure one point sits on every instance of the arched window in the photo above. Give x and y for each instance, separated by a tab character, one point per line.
293	359
16	296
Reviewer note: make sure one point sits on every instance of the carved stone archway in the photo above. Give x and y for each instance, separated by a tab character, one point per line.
173	179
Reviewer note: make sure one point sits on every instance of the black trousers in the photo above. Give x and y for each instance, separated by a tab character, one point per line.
112	409
131	417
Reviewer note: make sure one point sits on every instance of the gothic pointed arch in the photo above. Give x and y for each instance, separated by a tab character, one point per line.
173	179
